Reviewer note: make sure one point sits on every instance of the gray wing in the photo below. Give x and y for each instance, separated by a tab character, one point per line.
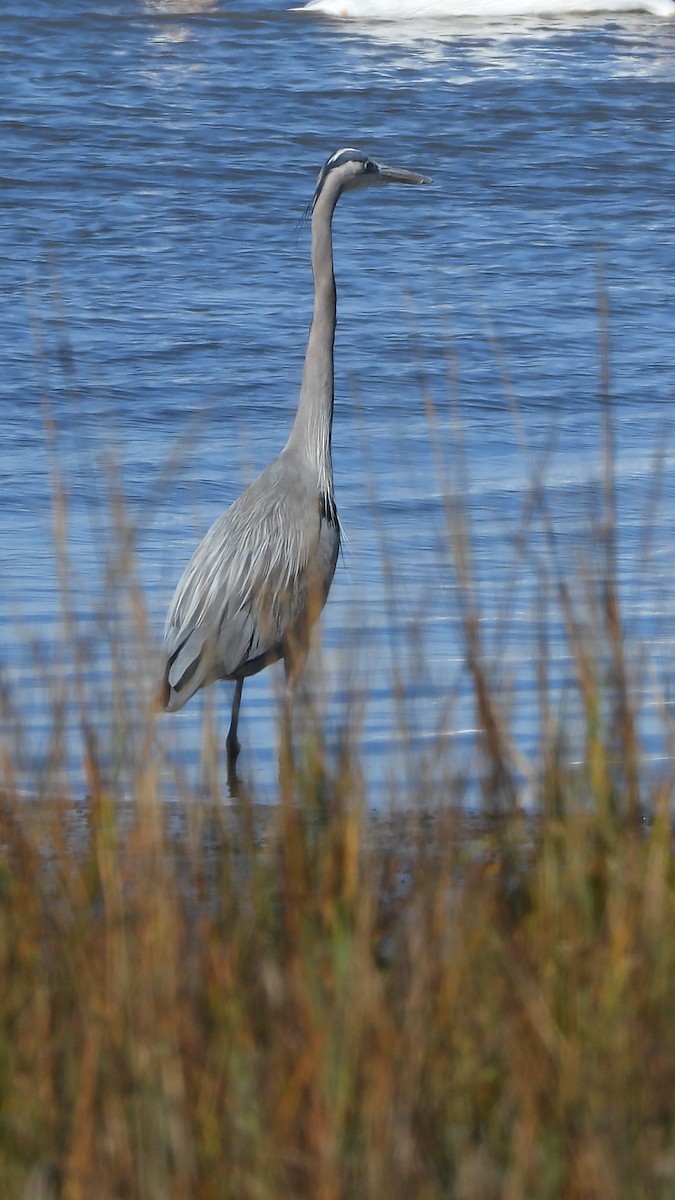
247	585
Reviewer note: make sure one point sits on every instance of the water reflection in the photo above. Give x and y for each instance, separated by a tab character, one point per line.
528	47
177	34
497	10
180	7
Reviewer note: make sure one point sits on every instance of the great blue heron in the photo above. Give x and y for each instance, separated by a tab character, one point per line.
261	575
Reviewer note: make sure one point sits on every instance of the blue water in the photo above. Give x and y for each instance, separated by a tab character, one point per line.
155	167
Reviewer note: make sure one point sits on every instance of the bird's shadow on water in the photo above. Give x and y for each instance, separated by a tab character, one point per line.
243	805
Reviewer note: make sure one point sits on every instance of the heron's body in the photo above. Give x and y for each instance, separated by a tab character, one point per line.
244	598
259	579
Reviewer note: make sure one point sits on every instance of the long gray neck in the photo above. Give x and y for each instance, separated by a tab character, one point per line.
311	432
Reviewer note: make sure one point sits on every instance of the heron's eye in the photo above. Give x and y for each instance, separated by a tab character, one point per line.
370	166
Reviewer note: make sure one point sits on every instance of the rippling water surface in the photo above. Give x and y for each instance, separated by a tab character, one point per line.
157	158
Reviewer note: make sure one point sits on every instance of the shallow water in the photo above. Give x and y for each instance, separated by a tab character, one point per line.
157	159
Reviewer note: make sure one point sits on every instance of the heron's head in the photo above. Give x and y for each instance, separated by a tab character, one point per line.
347	169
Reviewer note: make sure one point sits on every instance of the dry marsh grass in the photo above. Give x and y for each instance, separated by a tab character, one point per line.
332	1005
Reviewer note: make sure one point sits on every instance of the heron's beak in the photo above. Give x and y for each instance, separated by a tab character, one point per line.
399	175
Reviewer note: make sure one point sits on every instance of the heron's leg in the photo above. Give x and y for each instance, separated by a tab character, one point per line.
232	743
